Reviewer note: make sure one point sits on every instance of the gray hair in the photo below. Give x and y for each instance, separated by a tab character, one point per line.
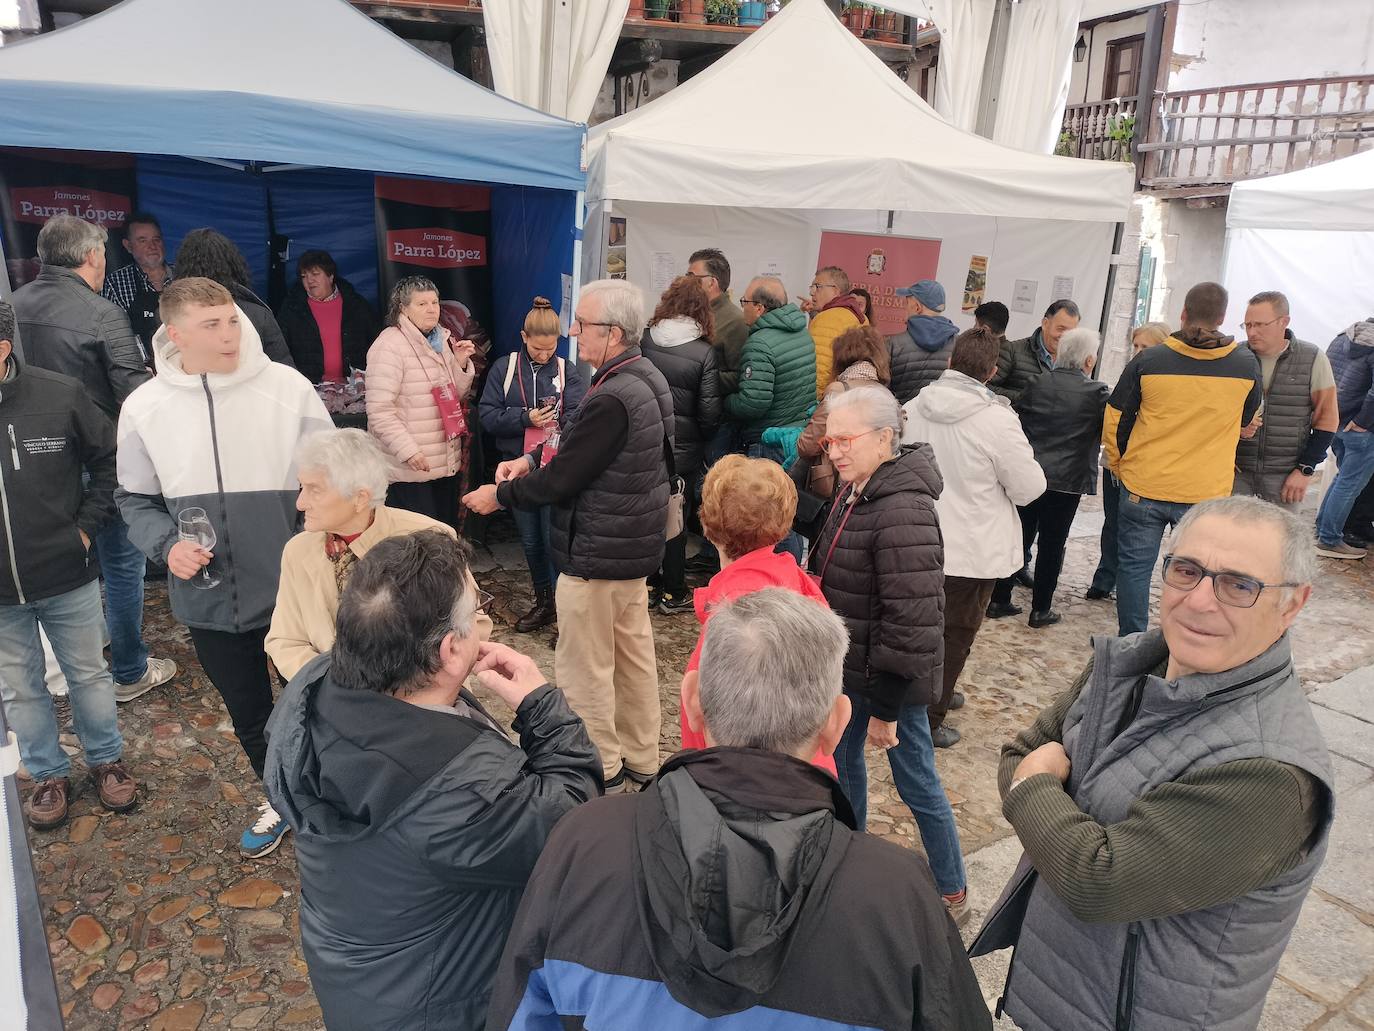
65	240
771	668
622	305
1299	558
768	291
1076	347
6	322
1275	300
403	292
350	459
877	407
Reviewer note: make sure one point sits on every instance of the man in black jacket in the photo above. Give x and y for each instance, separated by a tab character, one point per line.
417	820
49	516
68	327
735	884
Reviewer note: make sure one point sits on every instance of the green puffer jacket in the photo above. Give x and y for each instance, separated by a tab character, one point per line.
777	379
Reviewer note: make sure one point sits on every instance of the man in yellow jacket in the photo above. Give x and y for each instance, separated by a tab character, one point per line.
833	310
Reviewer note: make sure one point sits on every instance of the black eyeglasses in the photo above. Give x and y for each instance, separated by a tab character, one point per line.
1234	589
750	300
583	325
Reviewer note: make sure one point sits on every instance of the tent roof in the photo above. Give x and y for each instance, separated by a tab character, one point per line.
292	81
1338	195
801	115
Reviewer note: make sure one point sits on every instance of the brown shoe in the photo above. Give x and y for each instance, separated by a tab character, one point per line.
118	792
48	803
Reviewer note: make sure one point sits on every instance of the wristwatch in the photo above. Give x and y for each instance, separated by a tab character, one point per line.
1307	470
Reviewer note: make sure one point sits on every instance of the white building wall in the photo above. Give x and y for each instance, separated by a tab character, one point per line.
1086	76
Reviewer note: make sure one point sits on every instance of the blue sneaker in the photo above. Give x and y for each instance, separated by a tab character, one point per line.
265	835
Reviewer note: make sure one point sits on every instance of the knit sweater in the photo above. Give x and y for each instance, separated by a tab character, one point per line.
1150	863
308	596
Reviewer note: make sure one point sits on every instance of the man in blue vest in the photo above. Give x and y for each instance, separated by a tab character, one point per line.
1174	803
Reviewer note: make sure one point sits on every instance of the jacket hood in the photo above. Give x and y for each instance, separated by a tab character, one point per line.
1197	341
912	471
1362	333
853	302
672	332
732	845
789	318
930	332
955	397
252	360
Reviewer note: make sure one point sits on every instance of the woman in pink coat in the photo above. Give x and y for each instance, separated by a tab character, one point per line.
418	382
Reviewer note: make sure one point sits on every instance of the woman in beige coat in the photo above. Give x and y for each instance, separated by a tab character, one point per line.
418	382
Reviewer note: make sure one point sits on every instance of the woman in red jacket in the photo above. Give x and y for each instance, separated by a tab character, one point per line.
747	507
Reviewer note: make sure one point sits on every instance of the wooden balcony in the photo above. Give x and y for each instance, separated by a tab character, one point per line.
1100	131
1204	140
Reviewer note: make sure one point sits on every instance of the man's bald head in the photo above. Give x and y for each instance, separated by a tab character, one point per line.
768	291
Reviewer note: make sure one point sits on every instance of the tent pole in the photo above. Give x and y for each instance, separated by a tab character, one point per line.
579	226
1107	298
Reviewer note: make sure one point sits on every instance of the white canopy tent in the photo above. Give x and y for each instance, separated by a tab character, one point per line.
1309	234
801	130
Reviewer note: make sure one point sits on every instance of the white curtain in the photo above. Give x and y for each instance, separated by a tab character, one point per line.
1035	76
964	26
552	54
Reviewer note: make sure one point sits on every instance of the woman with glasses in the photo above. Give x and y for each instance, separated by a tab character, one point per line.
343	476
879	560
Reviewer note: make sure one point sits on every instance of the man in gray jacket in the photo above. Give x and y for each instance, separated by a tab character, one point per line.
67	327
1174	803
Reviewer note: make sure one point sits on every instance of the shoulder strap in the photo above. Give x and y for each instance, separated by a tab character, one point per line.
510	371
561	375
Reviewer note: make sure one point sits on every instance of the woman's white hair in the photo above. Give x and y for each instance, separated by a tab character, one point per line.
876	406
350	459
1076	347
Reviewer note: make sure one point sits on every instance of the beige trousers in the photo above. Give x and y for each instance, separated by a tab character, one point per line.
605	666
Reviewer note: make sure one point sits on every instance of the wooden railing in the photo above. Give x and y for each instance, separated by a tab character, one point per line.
1224	135
1101	131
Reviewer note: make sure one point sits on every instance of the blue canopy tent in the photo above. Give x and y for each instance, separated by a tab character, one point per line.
313	90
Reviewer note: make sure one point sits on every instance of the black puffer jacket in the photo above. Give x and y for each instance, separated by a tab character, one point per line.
359	327
885	578
1061	412
690	367
273	343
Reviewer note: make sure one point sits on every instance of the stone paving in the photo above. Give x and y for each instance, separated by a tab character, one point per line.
155	921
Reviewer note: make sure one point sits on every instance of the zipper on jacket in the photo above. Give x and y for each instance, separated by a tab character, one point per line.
1125	990
1006	985
9	531
223	508
1210	699
14	448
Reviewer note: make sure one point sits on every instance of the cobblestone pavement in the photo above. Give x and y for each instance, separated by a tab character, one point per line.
154	920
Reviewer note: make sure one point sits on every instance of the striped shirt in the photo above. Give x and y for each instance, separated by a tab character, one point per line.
123	284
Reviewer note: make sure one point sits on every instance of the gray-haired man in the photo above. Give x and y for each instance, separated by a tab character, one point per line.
608	485
1174	803
630	919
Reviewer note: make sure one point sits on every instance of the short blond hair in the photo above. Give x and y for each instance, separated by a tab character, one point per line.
1154	332
192	292
747	504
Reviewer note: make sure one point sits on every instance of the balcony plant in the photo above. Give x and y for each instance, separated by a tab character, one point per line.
656	9
858	18
691	12
753	12
1067	144
1120	133
722	12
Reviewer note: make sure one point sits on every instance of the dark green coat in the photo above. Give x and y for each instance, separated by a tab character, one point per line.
777	379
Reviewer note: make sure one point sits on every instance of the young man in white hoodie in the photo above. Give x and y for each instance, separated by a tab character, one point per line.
215	434
989	468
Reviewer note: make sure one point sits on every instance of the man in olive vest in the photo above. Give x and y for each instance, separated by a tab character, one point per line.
1279	451
1174	803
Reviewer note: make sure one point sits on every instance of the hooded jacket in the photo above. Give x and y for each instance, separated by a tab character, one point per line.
879	560
920	354
224	442
415	832
691	367
53	433
777	381
841	314
734	885
1352	363
358	327
988	468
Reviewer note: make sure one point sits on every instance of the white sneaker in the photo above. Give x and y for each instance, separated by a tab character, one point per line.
159	671
265	835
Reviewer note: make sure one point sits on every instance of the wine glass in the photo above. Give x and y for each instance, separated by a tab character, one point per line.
194	525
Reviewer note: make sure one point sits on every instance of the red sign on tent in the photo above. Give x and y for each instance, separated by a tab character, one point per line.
880	265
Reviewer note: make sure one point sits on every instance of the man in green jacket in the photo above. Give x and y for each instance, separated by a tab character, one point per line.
777	379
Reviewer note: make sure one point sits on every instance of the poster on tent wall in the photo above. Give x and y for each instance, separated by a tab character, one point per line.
881	264
35	185
440	231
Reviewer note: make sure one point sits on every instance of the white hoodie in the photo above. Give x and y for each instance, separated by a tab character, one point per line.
988	467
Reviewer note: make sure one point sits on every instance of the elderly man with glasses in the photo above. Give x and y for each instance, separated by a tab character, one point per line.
1174	803
607	481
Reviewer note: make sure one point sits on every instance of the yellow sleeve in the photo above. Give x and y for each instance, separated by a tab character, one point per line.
1111	455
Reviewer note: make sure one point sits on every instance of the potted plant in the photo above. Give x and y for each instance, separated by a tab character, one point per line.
636	11
1067	144
722	12
887	28
691	12
752	12
1121	132
859	18
656	9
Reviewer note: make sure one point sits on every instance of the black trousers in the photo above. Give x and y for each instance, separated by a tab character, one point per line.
1050	517
439	499
237	665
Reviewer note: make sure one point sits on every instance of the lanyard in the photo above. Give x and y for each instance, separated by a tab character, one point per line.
611	372
849	506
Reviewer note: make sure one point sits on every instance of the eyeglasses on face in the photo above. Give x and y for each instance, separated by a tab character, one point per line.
843	443
1234	589
484	601
817	287
750	300
580	325
1250	327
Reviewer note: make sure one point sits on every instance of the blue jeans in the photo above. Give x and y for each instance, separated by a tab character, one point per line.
1355	456
122	567
1140	528
73	623
1104	578
533	524
918	784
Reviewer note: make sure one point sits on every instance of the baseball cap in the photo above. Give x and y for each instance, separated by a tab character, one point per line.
927	291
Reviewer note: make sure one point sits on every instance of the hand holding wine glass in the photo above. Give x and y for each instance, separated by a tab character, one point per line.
190	557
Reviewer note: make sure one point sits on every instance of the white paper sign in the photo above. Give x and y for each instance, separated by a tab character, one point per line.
772	267
1023	296
664	268
1063	288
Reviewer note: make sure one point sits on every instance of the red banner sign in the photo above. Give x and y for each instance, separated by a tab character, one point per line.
433	247
880	265
37	204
